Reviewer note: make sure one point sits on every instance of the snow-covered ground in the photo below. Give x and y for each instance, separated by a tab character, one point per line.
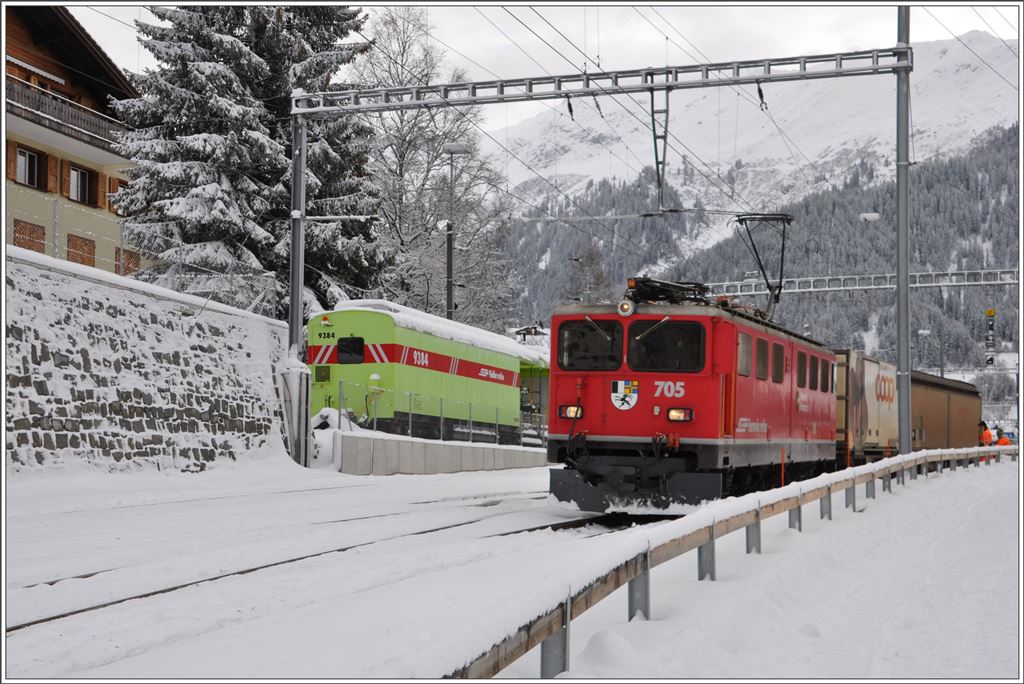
412	576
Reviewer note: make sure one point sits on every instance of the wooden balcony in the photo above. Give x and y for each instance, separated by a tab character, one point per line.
60	114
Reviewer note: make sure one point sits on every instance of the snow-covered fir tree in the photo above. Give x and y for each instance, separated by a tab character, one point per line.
300	44
210	190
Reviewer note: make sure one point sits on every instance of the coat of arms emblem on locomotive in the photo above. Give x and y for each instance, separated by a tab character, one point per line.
625	394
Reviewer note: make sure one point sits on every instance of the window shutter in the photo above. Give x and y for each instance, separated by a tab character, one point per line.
65	177
52	164
12	160
101	190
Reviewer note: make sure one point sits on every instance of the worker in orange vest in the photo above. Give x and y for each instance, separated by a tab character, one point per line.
985	439
1003	439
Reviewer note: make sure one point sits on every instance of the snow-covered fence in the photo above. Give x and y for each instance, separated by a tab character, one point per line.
699	531
122	375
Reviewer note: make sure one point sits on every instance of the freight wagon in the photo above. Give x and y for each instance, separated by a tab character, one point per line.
403	371
944	413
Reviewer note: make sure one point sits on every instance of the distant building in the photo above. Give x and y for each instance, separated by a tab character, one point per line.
59	156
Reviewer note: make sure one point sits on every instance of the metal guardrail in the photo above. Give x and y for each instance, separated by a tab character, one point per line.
551	629
61	114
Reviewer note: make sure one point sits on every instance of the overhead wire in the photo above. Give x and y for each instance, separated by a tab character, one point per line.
541	67
496	142
980	58
630	112
786	138
994	33
485	69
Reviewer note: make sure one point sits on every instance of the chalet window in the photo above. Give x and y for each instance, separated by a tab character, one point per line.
116	185
81	250
29	236
825	375
79	185
28	168
778	362
743	355
131	261
762	359
813	374
801	369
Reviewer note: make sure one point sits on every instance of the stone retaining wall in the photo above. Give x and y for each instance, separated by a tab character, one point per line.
123	375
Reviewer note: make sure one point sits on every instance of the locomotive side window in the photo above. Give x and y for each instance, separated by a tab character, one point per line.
825	375
814	373
743	355
350	350
778	361
590	345
673	346
801	369
762	359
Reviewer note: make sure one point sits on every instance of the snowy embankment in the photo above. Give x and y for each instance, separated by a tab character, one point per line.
425	585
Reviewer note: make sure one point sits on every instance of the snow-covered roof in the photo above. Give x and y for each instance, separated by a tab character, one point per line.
415	319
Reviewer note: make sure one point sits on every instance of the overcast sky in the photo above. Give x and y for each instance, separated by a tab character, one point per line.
623	38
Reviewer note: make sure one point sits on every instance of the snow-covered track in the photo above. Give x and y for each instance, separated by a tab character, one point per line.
613	521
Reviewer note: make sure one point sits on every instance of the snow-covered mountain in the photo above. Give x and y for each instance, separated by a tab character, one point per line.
827	127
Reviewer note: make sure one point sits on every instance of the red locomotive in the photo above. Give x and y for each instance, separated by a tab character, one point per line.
669	397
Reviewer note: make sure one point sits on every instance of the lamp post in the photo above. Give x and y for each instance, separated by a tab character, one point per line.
451	149
924	333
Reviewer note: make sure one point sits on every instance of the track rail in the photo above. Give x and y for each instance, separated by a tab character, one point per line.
607	520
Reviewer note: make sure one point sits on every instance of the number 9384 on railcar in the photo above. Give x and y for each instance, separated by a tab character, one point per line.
668	398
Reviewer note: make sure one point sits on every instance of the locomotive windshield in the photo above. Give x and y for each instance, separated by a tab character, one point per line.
672	346
590	345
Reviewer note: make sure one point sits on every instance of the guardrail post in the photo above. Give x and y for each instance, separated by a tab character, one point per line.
887	482
988	461
939	465
826	503
706	557
869	487
913	471
977	460
554	651
901	477
754	531
953	463
1013	457
851	496
640	589
796	521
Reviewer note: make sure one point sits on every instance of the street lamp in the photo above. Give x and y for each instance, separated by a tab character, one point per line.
924	332
451	149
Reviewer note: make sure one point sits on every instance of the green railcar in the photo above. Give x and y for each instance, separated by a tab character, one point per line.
407	372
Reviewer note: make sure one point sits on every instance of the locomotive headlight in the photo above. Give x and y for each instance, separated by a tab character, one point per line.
626	308
570	411
680	415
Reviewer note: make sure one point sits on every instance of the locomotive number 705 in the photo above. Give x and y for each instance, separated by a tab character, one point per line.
664	388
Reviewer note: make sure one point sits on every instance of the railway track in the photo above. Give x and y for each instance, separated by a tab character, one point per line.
602	524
